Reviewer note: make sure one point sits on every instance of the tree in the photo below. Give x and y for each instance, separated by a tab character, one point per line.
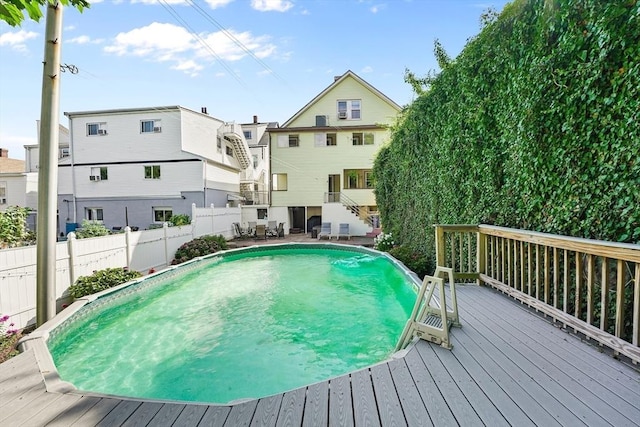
12	11
13	226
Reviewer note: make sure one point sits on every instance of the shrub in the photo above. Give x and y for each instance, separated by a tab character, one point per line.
181	219
383	242
101	280
13	227
417	262
8	339
91	229
199	247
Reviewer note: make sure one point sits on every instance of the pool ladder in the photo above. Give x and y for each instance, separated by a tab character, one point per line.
430	319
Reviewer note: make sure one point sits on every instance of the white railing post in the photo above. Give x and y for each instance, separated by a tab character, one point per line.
71	238
127	239
212	221
165	229
192	223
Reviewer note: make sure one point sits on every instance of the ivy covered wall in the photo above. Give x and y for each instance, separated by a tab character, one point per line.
535	125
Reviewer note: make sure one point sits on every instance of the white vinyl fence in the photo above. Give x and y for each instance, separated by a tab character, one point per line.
137	250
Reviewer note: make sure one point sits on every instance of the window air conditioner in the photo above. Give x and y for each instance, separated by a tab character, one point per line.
102	131
157	129
94	178
342	114
3	201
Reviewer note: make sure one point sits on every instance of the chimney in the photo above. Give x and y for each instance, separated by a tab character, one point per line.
4	152
204	110
255	119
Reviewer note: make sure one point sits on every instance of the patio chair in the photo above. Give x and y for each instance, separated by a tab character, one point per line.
325	230
261	232
252	228
272	229
343	231
238	232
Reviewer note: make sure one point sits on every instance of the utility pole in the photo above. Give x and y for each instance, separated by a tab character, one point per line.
48	168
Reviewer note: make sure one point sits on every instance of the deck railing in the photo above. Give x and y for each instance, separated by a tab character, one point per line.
591	286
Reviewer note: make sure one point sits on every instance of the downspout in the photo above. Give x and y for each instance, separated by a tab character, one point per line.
73	172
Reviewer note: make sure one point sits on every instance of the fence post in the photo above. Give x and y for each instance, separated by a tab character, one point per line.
127	239
212	222
165	229
481	256
194	221
71	238
440	249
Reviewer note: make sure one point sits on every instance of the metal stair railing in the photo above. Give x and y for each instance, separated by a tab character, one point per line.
430	319
355	208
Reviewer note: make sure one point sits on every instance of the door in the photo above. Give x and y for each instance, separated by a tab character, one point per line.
333	195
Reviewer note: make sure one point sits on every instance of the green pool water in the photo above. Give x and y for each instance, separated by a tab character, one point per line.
245	325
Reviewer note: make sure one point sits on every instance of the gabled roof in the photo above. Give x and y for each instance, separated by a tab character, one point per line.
336	82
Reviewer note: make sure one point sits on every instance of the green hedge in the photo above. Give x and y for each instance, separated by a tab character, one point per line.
535	125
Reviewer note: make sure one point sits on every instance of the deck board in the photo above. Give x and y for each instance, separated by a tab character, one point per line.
581	386
509	366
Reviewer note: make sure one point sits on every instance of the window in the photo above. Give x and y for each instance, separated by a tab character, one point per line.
262	214
368	138
162	214
152	172
229	151
150	126
219	144
325	139
99	174
247	134
93	214
96	129
368	179
294	141
3	194
254	157
358	179
356	138
64	152
279	182
349	109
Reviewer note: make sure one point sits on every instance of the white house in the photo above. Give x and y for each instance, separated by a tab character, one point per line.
139	166
322	157
17	187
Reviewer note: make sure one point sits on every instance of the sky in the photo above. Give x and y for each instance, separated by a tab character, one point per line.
238	58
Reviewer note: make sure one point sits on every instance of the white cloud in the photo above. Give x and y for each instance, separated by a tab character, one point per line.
214	4
367	69
172	43
17	40
271	5
84	40
377	8
70	28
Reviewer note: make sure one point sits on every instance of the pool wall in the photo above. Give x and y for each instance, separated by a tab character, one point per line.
37	340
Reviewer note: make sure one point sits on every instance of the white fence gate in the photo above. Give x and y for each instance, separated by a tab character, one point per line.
138	250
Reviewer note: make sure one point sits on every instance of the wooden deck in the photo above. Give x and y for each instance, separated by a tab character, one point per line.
508	367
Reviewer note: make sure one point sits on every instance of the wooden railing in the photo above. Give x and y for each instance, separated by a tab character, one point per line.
589	285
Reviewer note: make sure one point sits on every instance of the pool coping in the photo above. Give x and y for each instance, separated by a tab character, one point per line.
37	340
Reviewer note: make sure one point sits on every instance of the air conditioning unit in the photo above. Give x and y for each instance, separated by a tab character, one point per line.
102	131
3	201
157	129
342	114
94	178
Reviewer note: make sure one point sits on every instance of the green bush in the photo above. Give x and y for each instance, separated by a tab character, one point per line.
181	219
532	126
417	262
101	280
199	247
13	227
91	229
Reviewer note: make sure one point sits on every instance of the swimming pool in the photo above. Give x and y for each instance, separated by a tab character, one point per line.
239	324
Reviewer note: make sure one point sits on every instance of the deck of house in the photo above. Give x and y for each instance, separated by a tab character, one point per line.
509	366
